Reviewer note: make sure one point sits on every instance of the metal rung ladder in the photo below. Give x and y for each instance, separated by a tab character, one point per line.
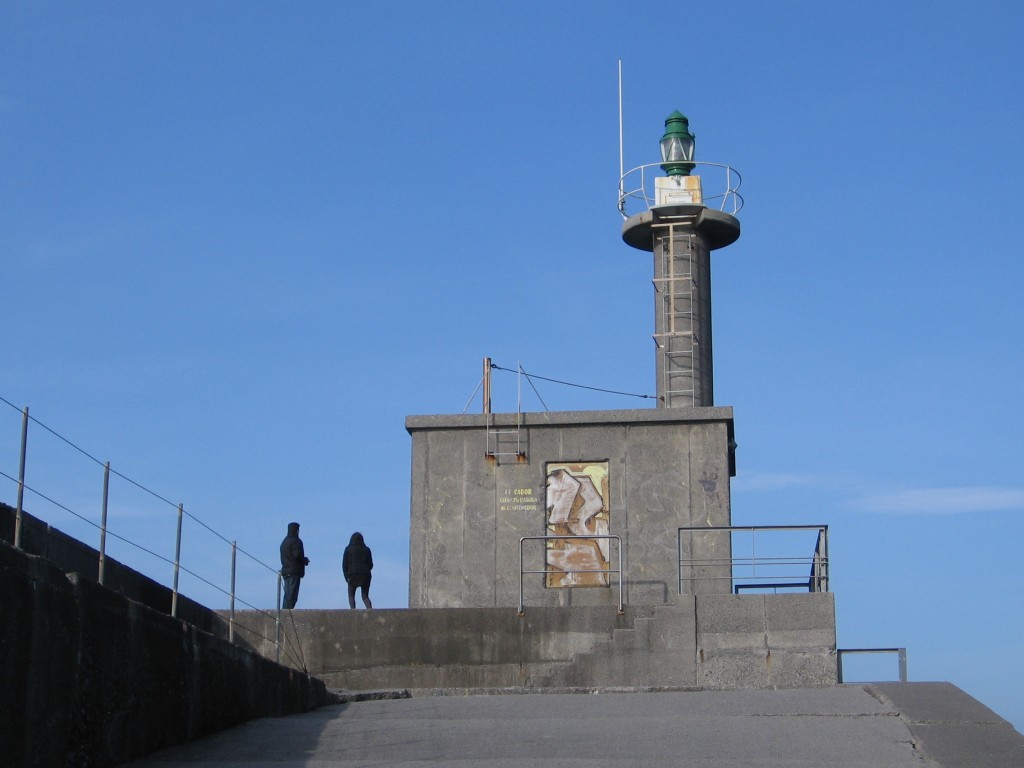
677	288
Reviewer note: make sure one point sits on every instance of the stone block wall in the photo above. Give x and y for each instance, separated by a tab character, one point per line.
766	641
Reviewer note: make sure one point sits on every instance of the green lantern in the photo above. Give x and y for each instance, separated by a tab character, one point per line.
677	146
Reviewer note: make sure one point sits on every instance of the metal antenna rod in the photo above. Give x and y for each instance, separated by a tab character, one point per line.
622	167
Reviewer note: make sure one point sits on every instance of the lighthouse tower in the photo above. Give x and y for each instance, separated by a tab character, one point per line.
680	230
610	507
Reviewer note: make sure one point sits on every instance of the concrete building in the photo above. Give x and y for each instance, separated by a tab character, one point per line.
635	475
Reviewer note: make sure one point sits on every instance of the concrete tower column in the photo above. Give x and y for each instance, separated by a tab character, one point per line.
681	238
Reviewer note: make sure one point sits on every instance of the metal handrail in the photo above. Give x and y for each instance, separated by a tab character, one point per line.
635	188
105	531
552	537
815	581
901	654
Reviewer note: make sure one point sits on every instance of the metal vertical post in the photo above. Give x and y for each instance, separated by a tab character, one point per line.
103	522
177	564
231	622
277	621
519	387
902	653
21	478
519	410
487	385
825	537
622	167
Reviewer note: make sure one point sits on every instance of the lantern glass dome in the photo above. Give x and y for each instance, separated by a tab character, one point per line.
677	146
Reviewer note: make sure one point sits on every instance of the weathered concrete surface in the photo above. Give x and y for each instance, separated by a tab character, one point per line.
703	641
839	726
668	468
446	648
766	641
90	678
951	727
72	556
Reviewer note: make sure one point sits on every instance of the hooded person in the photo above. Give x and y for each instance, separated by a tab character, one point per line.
356	564
293	565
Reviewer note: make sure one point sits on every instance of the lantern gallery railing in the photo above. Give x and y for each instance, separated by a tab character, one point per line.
764	558
721	182
546	572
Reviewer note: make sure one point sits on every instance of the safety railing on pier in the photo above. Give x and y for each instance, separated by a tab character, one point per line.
66	465
764	558
546	572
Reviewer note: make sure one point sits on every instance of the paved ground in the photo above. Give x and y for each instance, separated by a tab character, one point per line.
883	726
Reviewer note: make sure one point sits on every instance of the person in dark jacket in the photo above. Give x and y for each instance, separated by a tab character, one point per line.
356	564
293	565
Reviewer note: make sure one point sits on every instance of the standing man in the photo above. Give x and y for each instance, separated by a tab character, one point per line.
293	565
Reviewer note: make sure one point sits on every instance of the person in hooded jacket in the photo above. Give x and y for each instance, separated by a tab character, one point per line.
293	565
356	564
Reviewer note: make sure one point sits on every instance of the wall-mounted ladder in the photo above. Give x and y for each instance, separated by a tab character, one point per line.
502	442
676	290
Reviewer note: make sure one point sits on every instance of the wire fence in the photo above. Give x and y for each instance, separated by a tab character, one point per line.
125	511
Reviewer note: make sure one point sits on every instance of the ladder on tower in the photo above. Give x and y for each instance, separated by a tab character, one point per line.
676	292
501	442
505	442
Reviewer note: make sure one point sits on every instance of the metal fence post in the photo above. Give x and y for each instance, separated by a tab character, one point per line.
103	522
277	621
521	540
231	622
21	478
902	655
827	562
177	564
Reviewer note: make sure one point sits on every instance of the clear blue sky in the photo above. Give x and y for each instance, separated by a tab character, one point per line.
240	242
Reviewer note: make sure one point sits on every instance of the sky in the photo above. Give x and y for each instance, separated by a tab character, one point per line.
241	242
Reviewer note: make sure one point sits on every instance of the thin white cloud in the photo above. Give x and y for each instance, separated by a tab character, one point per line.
771	481
943	501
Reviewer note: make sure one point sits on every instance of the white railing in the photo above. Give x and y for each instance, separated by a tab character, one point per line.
721	185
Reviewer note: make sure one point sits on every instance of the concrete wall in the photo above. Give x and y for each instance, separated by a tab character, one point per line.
702	642
72	556
766	641
668	468
90	677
